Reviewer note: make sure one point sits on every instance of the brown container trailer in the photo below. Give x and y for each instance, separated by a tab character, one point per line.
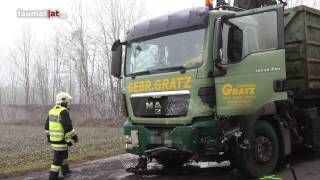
302	38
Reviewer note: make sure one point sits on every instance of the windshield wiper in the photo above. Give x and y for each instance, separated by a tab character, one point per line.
182	69
133	75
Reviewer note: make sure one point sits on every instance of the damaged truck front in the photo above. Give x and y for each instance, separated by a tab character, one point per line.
214	84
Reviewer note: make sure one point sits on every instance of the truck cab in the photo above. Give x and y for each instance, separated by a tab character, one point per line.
207	83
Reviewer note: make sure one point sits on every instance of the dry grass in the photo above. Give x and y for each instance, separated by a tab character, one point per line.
24	148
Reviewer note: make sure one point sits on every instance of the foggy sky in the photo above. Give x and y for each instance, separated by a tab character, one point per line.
44	29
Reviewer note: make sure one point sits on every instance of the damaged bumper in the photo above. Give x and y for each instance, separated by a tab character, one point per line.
202	133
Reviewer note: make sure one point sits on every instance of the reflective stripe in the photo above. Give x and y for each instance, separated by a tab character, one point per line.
272	177
56	131
59	148
59	145
55	168
56	135
53	118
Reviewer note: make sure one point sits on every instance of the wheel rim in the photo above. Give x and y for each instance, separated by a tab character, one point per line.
263	150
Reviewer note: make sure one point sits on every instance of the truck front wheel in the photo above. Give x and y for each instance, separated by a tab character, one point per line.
262	156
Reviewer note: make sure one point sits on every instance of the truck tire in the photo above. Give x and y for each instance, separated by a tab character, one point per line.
262	156
172	161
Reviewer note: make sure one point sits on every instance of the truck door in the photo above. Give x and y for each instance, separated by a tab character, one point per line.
253	57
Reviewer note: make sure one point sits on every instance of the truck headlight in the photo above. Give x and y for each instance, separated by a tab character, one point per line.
127	139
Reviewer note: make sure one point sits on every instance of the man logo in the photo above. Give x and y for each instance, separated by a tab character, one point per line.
157	108
149	105
157	111
158	105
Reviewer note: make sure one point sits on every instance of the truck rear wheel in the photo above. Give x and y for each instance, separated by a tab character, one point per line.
261	159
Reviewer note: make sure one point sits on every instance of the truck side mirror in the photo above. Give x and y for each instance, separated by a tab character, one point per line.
217	36
235	44
116	59
217	45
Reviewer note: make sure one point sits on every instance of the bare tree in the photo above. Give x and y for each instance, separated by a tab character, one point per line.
57	66
21	60
13	78
311	3
80	56
78	59
24	55
113	20
41	70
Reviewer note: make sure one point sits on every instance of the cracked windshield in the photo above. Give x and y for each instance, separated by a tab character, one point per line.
173	52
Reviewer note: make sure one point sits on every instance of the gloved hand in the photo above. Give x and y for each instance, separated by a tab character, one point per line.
74	139
69	144
48	139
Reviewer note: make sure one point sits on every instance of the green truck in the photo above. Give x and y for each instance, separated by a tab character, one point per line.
222	84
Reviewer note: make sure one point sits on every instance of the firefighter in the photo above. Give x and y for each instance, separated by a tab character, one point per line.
60	135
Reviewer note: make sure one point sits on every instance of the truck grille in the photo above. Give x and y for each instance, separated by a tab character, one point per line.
165	106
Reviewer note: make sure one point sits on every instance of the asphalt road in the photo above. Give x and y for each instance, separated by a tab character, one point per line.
306	168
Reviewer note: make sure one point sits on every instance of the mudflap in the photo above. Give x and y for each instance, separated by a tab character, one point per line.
313	129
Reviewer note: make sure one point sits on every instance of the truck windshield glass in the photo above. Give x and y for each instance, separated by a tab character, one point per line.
183	50
249	34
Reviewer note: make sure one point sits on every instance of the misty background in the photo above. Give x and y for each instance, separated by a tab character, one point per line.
47	56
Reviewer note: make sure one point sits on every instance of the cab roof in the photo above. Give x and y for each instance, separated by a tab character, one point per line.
167	24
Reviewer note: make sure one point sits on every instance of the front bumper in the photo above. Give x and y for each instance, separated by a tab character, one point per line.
140	138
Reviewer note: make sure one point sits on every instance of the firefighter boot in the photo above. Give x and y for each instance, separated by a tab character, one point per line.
65	170
53	175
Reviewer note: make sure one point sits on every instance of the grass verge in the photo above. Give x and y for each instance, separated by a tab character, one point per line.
27	151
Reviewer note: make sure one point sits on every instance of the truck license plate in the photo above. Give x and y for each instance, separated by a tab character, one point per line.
135	138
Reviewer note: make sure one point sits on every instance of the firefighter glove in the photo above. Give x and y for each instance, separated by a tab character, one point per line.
74	138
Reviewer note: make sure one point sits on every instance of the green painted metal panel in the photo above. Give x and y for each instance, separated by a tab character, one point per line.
184	138
248	85
196	106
